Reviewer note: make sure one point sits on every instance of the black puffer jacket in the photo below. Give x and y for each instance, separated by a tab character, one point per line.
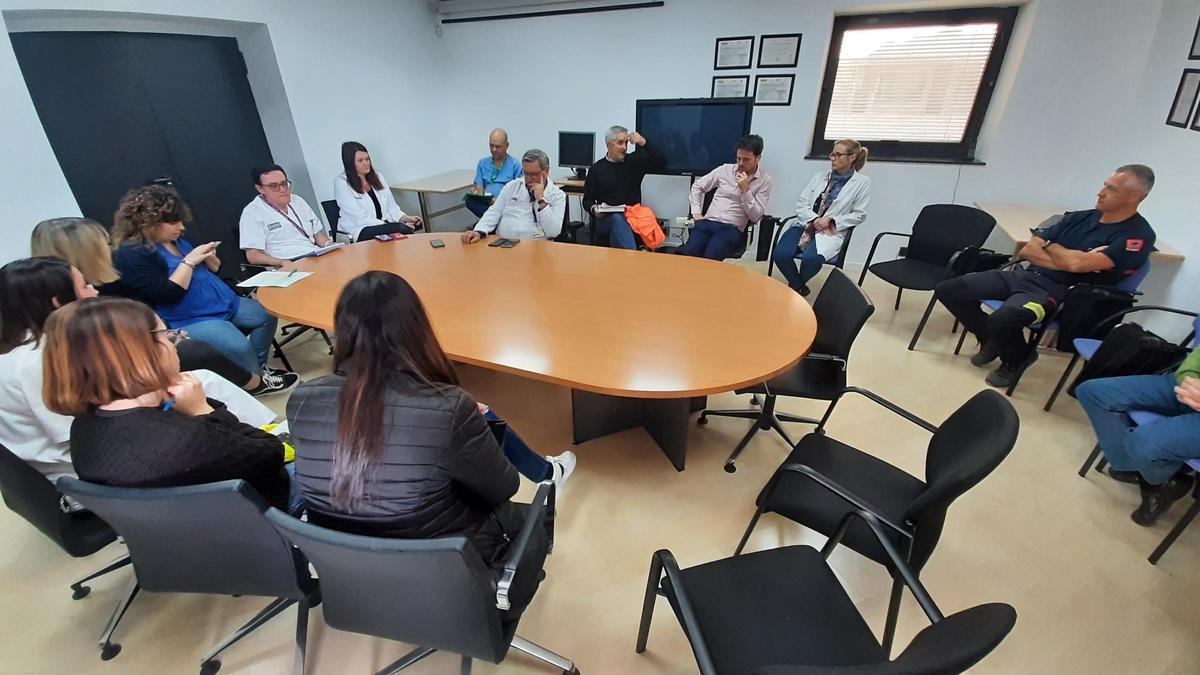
441	471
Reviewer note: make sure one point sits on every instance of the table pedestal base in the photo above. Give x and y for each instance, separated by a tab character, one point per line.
665	419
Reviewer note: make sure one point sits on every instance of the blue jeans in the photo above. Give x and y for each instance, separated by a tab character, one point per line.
786	252
617	229
246	337
1156	450
296	503
713	240
477	206
530	464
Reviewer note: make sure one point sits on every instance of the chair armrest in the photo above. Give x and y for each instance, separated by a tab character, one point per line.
927	426
780	226
871	253
687	615
543	497
910	578
829	484
817	356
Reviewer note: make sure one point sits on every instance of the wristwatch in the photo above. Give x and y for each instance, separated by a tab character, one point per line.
191	265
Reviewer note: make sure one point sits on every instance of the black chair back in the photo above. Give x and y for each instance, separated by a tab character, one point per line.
842	309
943	229
967	447
208	538
28	494
332	215
839	260
431	592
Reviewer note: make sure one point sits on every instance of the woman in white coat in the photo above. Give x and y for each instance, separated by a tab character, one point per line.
367	206
832	202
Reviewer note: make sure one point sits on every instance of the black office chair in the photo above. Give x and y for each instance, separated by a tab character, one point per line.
28	494
842	309
940	231
784	612
822	480
333	215
838	261
437	593
203	539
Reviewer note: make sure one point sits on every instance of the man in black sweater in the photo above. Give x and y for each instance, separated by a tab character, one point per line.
616	180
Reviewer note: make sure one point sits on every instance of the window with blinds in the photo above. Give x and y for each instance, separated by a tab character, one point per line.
912	86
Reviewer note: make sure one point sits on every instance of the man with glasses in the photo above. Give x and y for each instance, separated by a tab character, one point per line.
278	226
1099	246
529	207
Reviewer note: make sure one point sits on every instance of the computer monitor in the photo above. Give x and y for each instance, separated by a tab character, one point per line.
577	150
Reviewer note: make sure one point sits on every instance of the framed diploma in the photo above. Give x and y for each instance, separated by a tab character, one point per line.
730	86
773	89
1185	98
1195	53
733	53
779	51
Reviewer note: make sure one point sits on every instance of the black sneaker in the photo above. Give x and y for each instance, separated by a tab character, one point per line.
1003	376
1123	476
804	291
1156	499
984	356
273	383
275	371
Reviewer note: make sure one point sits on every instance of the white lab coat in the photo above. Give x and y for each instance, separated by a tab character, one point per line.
848	210
511	215
357	210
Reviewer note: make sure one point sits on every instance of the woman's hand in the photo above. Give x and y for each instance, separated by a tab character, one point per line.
200	254
189	396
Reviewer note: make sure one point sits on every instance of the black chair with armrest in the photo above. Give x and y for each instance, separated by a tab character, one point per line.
436	593
783	611
333	215
940	231
842	309
210	538
838	261
822	480
28	494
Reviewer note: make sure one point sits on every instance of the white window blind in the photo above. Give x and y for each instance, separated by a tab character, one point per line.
914	84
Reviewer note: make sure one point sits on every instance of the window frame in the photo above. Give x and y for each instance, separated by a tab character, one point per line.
962	152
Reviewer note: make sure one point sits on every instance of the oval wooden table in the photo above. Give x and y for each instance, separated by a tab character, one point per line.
637	336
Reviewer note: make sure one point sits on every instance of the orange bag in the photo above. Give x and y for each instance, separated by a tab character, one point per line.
641	220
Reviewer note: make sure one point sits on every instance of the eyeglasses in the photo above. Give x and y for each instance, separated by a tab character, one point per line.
276	187
835	155
174	335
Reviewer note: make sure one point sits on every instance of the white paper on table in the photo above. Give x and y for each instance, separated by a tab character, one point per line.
273	279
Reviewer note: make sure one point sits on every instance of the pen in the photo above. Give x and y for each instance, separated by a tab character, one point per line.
169	404
289	276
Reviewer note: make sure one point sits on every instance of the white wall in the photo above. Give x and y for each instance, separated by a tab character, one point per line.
365	75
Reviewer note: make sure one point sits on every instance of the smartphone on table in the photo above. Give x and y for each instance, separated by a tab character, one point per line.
437	243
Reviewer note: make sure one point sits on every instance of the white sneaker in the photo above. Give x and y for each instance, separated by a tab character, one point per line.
562	467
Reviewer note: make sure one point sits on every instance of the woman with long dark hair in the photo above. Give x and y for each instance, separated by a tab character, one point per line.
366	205
391	446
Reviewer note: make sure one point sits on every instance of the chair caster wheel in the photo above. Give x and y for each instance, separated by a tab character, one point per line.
702	421
573	671
731	468
754	401
80	592
210	667
109	651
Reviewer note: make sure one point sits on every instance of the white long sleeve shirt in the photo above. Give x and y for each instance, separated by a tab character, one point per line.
357	211
514	214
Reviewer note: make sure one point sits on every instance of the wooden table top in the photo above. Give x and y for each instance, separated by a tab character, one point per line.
1016	219
451	181
609	321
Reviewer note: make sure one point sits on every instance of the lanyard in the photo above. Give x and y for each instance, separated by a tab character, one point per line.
295	223
496	172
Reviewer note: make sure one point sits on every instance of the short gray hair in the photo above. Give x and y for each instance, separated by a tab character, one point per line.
1142	173
611	134
535	155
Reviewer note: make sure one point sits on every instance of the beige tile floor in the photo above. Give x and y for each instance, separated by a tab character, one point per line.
1061	549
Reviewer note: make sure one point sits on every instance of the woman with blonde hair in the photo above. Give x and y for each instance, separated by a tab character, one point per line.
83	243
831	203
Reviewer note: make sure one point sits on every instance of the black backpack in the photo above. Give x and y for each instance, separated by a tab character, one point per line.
1089	311
1130	349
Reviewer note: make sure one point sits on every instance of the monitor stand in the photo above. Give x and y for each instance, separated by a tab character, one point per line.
580	174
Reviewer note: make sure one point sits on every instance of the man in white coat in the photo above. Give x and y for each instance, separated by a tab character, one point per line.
831	203
530	207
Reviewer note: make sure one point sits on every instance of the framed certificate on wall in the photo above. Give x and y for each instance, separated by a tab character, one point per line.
730	86
1185	99
773	89
733	53
779	51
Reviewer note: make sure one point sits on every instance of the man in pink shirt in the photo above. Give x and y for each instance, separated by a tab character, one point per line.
742	195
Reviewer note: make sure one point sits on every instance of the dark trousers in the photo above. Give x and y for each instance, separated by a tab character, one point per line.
527	462
477	206
616	229
787	251
713	240
386	228
197	355
1028	298
493	539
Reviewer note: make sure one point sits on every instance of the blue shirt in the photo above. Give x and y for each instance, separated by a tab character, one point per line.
493	180
145	275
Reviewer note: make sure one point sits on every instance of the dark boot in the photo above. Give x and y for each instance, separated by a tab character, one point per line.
1006	373
1156	499
984	356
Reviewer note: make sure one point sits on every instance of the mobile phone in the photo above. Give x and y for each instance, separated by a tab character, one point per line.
509	243
437	243
216	243
383	237
497	242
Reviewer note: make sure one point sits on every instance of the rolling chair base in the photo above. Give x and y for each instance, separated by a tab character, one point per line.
80	591
519	643
765	418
